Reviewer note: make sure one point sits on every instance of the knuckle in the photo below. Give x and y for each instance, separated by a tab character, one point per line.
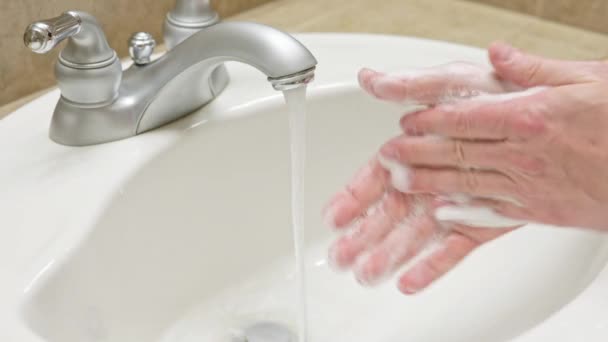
461	122
412	124
458	153
437	264
471	181
532	71
531	123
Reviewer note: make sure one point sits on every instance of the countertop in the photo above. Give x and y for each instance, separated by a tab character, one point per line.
455	21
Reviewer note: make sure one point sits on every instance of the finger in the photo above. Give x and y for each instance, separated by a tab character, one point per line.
366	188
514	118
401	245
452	250
441	152
528	70
366	77
475	183
429	86
371	230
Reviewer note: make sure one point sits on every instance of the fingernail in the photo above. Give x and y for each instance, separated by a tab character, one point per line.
503	52
329	217
389	88
365	77
333	259
407	127
364	72
411	130
413	281
407	288
389	151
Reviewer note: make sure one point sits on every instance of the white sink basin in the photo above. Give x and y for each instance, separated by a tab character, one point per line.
183	234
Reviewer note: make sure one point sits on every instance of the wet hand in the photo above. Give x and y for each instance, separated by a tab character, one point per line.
383	226
383	229
547	151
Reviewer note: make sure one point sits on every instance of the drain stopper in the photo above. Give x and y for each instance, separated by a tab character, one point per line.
267	332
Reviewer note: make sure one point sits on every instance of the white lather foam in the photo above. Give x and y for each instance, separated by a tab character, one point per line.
475	217
400	174
461	213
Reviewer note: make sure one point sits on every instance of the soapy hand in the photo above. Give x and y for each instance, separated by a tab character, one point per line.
386	227
507	148
547	151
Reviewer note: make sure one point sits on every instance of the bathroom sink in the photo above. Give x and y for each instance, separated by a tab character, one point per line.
184	234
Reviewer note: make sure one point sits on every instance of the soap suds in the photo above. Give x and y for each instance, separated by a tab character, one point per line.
482	217
400	174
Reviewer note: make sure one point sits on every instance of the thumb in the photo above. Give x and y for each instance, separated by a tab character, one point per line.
527	70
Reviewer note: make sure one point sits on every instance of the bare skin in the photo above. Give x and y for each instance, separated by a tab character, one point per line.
547	150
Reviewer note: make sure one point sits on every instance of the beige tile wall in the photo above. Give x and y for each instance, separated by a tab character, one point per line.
23	72
587	14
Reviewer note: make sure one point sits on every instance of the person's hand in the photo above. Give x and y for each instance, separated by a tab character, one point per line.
384	227
547	151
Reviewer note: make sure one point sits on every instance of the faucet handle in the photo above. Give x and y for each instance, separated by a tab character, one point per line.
42	36
88	70
141	47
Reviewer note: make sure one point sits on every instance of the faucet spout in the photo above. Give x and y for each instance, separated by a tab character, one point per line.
293	81
273	52
199	59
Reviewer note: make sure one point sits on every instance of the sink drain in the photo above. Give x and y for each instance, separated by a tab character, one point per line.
266	332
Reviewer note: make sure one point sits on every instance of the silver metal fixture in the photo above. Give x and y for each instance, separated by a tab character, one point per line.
88	71
266	332
141	47
102	103
293	81
44	35
187	18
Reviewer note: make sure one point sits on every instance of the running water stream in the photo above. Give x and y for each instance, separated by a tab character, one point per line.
296	105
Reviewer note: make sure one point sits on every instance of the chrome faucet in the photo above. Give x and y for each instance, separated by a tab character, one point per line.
101	103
